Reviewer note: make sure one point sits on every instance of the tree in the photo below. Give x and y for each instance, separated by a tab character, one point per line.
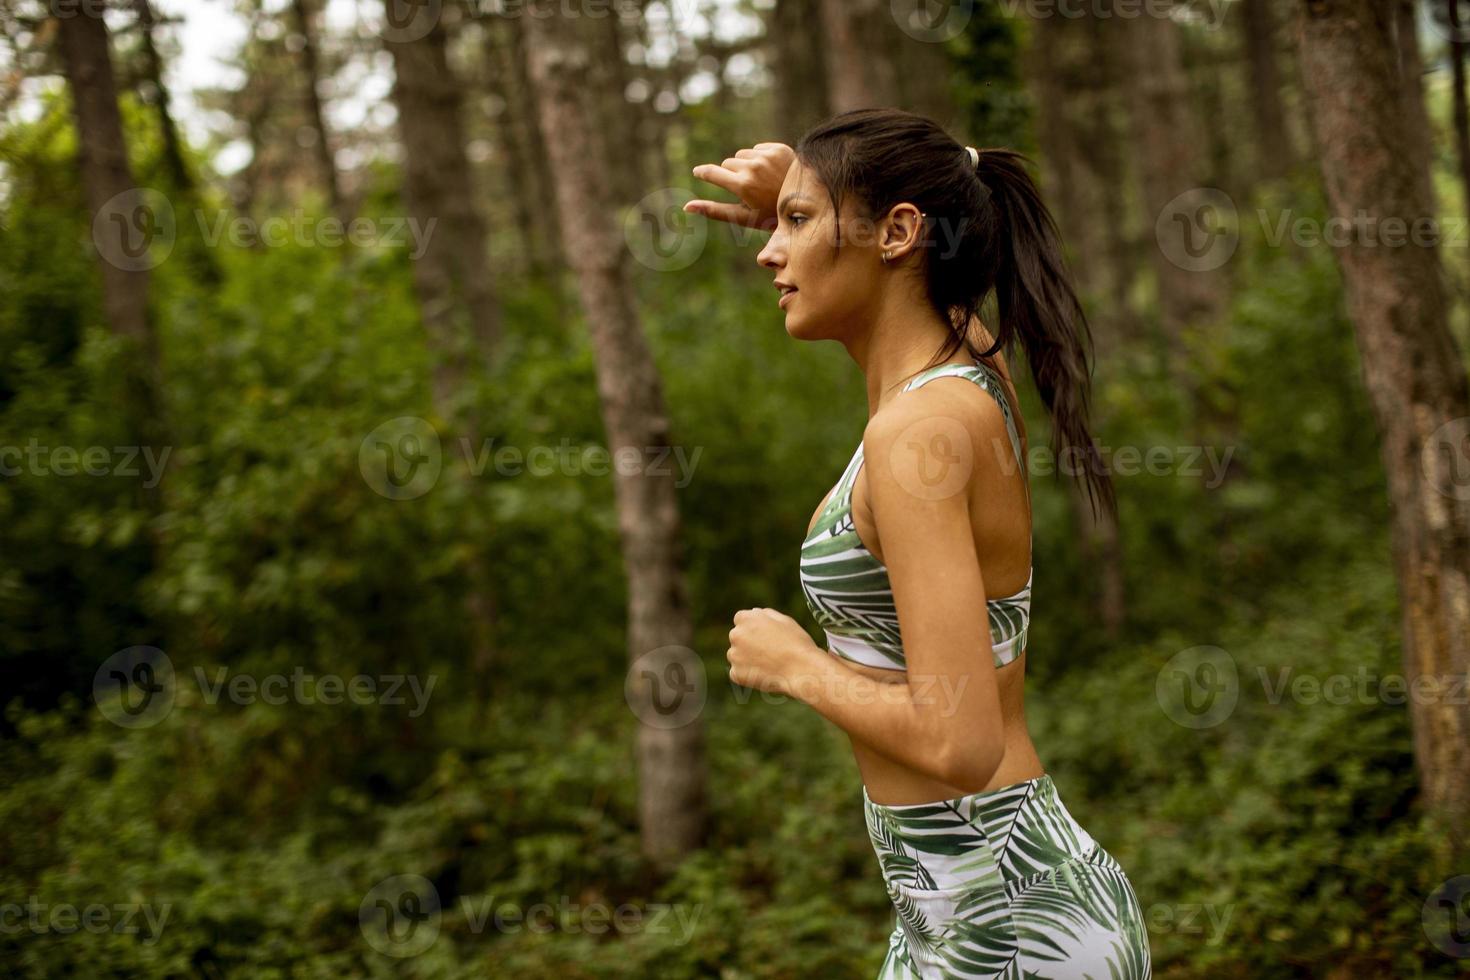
119	215
528	174
452	275
311	72
671	765
1411	367
1274	155
1166	130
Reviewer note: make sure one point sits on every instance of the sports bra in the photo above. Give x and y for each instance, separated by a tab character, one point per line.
847	588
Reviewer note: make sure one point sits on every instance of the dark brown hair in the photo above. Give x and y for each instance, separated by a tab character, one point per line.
997	236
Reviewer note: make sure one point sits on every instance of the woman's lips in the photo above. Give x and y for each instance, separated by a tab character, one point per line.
784	297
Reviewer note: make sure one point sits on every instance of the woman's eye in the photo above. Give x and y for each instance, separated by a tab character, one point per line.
796	219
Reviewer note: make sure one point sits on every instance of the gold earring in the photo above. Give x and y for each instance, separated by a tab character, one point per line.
887	255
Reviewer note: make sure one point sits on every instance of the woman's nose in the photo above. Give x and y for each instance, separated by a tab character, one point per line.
769	255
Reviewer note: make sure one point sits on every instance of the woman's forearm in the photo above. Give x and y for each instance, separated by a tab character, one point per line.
915	722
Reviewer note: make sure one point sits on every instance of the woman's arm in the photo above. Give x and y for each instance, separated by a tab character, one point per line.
944	720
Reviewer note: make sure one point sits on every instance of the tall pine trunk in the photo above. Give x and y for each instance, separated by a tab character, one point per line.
671	761
1274	154
1413	372
451	275
311	81
120	219
1167	133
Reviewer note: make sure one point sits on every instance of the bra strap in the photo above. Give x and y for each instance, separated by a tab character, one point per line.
987	379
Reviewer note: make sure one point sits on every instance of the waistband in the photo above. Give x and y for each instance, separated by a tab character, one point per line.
985	839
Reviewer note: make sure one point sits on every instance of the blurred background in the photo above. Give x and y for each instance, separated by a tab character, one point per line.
383	454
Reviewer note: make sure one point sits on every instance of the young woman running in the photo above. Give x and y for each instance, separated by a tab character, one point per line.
887	237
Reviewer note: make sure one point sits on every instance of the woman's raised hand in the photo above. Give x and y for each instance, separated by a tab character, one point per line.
754	175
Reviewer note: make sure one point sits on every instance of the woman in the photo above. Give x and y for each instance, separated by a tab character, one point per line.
887	237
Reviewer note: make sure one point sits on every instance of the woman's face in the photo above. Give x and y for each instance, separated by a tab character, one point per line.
836	290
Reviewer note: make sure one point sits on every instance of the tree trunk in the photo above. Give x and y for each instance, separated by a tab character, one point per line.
451	275
311	72
123	220
527	180
173	153
199	254
621	118
1413	372
1462	117
1167	133
1274	154
799	64
853	81
671	765
1405	30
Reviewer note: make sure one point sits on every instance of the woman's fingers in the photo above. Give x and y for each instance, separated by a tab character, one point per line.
754	175
735	214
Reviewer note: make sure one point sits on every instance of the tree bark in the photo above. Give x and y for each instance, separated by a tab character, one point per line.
1405	31
1461	111
311	72
1274	153
451	275
671	764
854	75
800	68
1414	374
106	177
181	180
1167	132
173	153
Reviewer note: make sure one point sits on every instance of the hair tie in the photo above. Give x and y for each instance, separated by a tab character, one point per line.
974	157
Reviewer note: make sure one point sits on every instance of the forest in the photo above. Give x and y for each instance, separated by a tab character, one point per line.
382	446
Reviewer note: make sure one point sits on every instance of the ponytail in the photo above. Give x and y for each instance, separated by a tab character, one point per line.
1037	304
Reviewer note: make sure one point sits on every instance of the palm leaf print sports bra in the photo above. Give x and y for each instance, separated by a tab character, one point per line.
847	588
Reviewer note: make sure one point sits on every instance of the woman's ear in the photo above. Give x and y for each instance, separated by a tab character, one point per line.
902	230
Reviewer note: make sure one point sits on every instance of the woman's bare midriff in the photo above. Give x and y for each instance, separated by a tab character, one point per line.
891	782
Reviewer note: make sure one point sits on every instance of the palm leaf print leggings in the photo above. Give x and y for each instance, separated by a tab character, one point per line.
1003	883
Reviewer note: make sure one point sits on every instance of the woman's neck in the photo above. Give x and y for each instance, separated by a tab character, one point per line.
897	347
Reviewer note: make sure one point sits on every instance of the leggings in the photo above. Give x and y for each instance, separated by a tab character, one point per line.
1003	883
